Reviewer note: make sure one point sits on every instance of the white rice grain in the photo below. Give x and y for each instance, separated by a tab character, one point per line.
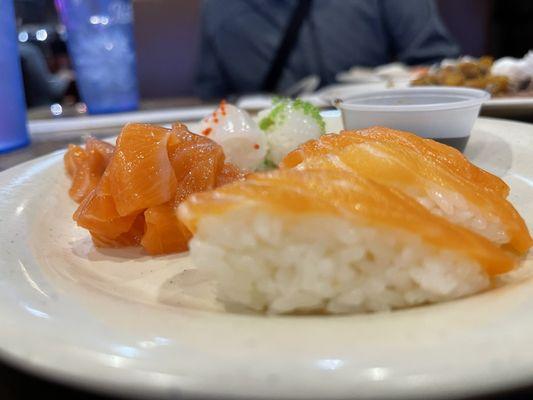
311	263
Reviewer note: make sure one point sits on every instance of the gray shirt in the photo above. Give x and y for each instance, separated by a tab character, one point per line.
240	38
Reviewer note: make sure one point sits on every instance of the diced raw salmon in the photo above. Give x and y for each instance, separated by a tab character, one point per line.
130	238
164	232
86	166
130	192
98	213
140	174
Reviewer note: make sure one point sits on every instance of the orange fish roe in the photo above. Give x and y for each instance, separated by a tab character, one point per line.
256	146
222	107
207	131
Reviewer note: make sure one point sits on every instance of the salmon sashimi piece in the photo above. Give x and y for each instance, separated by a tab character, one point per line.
198	165
98	213
228	174
130	238
143	179
86	166
140	173
78	168
74	156
186	148
196	160
348	196
443	190
164	232
100	154
442	154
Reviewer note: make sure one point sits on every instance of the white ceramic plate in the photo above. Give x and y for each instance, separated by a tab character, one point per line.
119	321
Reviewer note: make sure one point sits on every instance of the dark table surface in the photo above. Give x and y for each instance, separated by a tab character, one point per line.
17	384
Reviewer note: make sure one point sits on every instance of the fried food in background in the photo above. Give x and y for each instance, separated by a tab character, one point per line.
468	73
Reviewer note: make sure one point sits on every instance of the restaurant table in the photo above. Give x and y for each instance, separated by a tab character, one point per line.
16	384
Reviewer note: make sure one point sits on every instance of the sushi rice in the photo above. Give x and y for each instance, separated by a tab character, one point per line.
325	264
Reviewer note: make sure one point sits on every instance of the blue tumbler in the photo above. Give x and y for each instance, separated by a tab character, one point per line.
101	46
13	131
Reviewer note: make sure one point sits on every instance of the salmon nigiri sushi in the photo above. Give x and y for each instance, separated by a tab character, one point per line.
330	241
440	179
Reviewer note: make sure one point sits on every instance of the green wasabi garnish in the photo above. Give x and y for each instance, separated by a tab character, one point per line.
278	114
266	123
311	111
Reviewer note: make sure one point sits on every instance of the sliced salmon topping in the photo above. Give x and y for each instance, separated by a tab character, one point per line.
424	170
349	196
440	154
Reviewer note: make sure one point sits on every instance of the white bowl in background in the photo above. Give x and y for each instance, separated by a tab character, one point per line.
446	114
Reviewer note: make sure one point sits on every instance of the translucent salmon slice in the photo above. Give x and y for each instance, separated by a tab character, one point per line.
198	165
441	154
343	194
140	174
164	232
149	173
445	155
77	165
86	166
130	238
197	162
100	154
446	190
71	157
205	159
98	213
228	174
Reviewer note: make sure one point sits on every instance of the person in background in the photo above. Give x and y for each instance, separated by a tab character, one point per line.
41	87
268	45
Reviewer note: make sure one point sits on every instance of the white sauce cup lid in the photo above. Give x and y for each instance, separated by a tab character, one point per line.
429	98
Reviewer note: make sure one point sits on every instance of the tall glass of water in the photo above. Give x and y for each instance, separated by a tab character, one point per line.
101	46
13	132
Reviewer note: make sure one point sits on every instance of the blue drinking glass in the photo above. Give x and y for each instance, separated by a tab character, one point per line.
13	131
101	46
